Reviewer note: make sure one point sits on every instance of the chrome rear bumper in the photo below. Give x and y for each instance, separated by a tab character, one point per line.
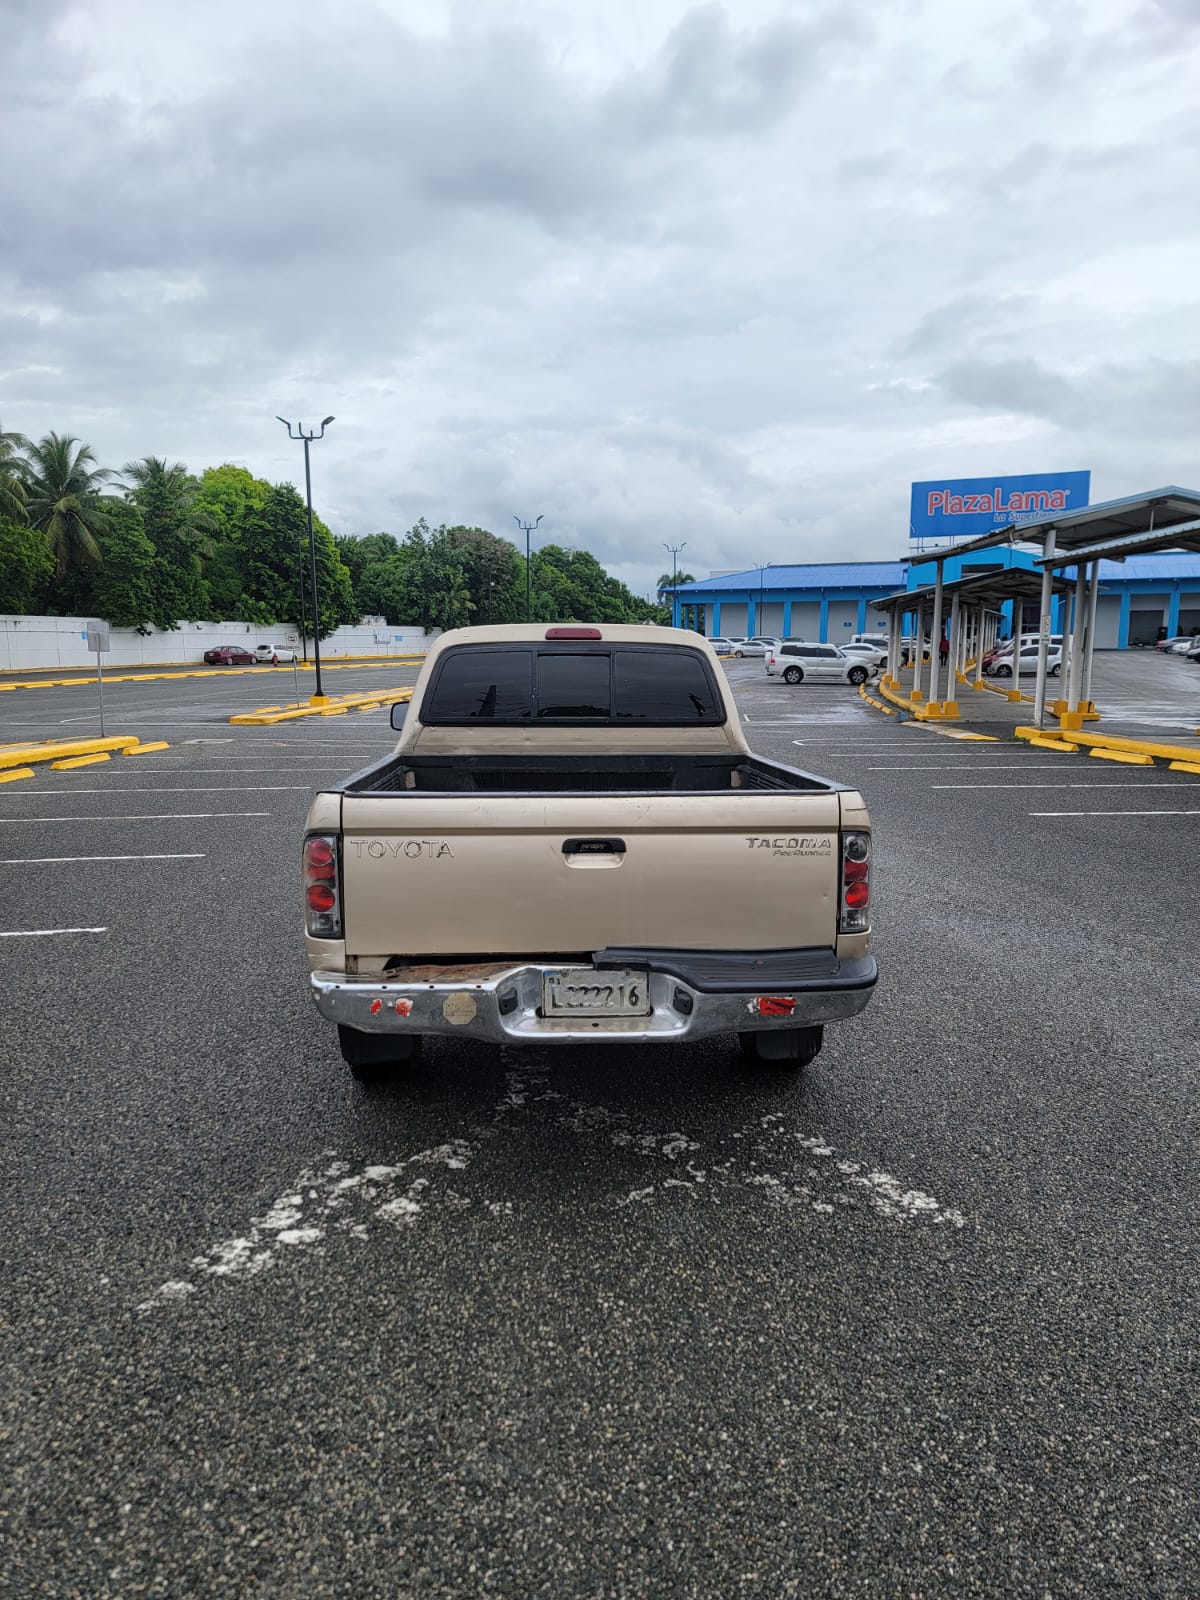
501	1002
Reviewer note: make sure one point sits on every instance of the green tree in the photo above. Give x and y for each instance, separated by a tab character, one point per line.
493	572
666	581
181	529
26	567
359	554
229	495
271	540
12	476
65	499
124	589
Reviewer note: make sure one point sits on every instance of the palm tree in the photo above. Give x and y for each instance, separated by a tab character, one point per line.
166	496
65	497
12	475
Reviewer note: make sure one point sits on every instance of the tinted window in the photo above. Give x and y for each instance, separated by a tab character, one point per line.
663	687
827	655
573	685
483	686
792	650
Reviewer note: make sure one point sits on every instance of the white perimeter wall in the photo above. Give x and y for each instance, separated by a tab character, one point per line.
28	642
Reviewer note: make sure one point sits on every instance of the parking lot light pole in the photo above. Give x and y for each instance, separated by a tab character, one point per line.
307	439
527	528
674	549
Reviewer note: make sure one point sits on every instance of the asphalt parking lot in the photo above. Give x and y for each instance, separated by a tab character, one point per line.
608	1322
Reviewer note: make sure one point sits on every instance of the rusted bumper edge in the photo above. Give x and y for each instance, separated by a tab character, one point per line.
503	1005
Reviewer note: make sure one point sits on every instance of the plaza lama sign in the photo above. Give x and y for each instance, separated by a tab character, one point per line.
965	508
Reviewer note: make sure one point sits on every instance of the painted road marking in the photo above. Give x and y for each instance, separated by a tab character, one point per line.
54	861
781	1164
1116	785
999	766
159	816
1114	813
46	933
154	788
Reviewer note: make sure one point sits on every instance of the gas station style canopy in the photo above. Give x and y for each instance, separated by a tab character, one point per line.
1163	519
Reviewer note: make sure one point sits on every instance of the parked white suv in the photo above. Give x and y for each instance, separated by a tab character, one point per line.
275	653
818	663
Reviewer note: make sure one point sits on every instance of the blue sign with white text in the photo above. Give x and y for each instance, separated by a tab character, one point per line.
966	508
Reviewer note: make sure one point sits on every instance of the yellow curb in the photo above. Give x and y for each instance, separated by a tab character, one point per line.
80	761
146	749
27	772
888	711
342	664
333	711
1108	741
265	719
1184	766
1056	745
22	755
1127	759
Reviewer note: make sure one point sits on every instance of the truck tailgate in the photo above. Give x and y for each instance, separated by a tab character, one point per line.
429	874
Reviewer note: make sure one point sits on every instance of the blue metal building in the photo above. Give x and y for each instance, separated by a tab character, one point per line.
831	601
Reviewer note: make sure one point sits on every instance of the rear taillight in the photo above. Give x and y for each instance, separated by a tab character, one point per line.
322	892
856	883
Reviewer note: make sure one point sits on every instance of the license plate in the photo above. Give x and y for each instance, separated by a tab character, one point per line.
583	992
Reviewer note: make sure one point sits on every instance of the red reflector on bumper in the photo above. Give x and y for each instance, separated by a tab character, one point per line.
775	1005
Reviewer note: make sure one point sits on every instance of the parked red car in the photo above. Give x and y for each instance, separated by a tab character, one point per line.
229	655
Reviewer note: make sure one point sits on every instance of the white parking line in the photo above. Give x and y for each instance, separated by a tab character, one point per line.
1117	785
1114	813
1000	766
257	788
54	861
159	816
45	933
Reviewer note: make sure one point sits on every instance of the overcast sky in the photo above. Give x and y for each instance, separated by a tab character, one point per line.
730	274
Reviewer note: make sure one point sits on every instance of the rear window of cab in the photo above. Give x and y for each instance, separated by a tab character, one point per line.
657	687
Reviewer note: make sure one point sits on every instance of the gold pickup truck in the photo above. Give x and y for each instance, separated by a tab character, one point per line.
573	843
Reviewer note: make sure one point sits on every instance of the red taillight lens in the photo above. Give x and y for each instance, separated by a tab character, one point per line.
322	903
319	853
776	1005
856	883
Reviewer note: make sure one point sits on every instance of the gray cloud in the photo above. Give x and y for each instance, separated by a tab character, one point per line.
731	275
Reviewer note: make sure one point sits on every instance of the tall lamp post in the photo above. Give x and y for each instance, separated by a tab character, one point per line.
307	438
674	549
762	568
527	528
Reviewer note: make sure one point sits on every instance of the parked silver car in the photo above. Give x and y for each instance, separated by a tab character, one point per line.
817	663
751	647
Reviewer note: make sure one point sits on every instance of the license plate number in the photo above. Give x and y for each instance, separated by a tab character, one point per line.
582	992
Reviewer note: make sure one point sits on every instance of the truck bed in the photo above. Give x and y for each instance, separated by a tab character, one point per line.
581	774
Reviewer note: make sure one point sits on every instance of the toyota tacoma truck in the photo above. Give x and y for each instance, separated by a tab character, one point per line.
573	843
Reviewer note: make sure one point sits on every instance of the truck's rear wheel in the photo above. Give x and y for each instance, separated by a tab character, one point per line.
783	1047
793	675
375	1057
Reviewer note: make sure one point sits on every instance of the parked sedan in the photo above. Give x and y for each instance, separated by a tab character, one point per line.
818	663
723	646
1001	666
1183	646
751	647
867	651
275	653
229	655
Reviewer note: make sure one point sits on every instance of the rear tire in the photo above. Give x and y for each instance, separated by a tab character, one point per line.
789	1048
857	676
376	1058
1004	672
793	675
1054	671
738	654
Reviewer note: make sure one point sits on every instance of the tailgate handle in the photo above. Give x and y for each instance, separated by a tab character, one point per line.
593	847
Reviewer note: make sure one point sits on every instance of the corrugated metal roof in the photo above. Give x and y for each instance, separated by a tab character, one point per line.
1177	564
816	575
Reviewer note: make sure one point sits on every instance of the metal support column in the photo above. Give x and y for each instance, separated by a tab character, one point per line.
935	637
1093	602
1071	717
950	703
1044	631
